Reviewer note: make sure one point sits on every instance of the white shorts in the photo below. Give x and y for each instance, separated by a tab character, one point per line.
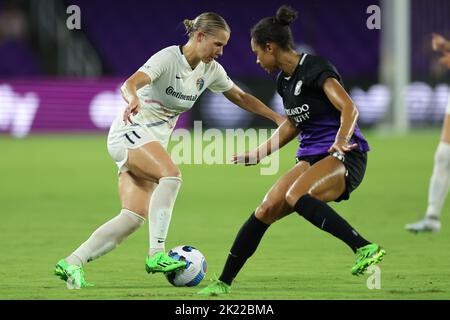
122	137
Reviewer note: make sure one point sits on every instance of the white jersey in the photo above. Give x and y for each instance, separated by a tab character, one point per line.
173	89
174	86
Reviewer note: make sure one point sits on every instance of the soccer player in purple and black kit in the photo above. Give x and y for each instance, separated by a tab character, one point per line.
331	159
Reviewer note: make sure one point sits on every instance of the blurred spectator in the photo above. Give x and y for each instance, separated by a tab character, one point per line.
19	59
438	69
13	24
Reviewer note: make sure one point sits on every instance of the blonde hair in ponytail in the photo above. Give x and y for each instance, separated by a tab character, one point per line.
207	22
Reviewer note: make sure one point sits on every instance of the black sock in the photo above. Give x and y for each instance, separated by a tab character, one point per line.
324	217
244	246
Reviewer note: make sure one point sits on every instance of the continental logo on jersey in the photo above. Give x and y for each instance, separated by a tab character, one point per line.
170	91
200	83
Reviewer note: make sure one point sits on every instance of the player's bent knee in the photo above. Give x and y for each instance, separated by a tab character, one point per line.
169	171
141	212
266	212
135	207
172	173
315	194
292	197
171	179
164	174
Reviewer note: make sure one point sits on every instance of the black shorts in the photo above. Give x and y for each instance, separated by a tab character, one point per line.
355	162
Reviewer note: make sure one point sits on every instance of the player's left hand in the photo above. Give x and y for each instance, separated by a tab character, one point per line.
342	146
132	109
248	158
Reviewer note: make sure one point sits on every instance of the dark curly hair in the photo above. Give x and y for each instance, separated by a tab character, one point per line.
276	29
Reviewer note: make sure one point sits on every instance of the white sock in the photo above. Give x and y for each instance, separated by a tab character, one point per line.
106	237
440	181
160	212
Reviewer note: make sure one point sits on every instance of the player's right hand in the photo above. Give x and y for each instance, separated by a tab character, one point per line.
248	158
342	146
132	109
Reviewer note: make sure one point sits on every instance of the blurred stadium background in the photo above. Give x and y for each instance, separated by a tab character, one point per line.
59	93
58	80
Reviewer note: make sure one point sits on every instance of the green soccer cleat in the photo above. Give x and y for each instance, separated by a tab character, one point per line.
215	288
367	256
161	262
73	275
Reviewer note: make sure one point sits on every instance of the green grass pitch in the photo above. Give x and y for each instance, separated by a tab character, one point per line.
54	191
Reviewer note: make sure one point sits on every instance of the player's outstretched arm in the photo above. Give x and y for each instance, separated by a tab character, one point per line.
252	104
349	114
284	134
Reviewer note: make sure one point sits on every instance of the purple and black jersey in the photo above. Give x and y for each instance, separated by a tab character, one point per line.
307	105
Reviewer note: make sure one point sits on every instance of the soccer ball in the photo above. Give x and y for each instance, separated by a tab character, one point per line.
193	272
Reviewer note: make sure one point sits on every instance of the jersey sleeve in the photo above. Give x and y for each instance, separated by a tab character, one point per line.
221	82
320	70
156	65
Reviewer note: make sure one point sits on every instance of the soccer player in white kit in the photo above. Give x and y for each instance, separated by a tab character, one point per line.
166	85
440	178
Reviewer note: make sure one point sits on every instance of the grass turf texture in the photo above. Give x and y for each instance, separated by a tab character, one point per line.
54	191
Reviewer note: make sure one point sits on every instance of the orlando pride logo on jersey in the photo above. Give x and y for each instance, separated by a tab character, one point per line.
299	114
